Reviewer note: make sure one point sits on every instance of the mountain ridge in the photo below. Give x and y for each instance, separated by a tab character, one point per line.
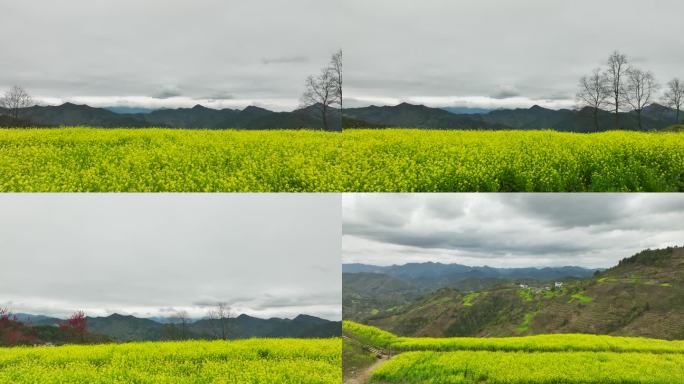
405	115
196	117
120	327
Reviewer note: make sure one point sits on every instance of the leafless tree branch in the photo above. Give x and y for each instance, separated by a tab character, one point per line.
15	100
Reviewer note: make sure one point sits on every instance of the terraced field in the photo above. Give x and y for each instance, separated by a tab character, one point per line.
246	361
559	358
523	367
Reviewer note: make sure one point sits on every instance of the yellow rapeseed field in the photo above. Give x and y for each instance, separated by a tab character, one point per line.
392	160
538	359
143	160
264	361
401	160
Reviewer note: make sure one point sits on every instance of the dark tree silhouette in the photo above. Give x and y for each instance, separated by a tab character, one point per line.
221	314
324	92
593	92
673	96
639	89
617	68
15	100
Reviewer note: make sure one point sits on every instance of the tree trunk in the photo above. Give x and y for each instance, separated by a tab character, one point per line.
325	117
617	115
639	117
596	123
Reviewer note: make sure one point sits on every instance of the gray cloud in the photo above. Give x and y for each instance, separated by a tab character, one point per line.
265	255
168	92
506	92
458	52
285	60
593	230
123	49
220	95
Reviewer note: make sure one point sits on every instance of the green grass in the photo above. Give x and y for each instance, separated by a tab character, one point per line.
525	325
142	160
403	160
581	297
245	361
469	298
354	357
526	294
531	368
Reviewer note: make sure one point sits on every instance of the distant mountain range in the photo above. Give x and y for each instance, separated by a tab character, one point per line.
405	115
370	290
437	275
641	296
130	328
250	118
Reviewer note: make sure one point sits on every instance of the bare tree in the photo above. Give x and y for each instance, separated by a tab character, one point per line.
336	68
593	92
181	319
322	92
14	100
617	68
221	314
639	90
673	96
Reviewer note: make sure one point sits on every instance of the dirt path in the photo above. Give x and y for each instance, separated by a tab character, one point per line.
363	376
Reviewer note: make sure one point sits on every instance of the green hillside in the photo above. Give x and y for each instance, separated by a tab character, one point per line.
642	296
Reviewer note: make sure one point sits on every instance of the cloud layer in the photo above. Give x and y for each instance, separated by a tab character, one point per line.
145	254
143	53
508	230
483	53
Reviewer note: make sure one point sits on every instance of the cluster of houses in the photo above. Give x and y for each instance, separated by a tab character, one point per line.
556	285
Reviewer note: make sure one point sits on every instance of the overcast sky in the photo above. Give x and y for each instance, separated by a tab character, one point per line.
498	53
156	53
508	230
150	254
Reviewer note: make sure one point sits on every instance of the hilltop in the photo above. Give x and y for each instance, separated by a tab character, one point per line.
641	296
